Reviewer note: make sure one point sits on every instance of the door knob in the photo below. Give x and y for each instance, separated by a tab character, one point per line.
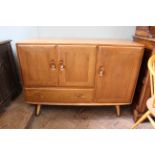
101	71
62	66
52	65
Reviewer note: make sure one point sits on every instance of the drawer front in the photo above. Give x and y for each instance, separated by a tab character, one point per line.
59	95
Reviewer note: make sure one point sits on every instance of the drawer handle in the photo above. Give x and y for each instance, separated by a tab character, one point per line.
79	95
101	71
52	65
62	66
38	95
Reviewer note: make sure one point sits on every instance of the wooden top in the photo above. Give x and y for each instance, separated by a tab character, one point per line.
145	38
148	43
4	41
82	41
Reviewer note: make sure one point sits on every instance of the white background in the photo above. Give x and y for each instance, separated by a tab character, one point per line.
76	13
77	142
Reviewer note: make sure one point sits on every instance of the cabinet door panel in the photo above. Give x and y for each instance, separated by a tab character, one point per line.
38	65
79	65
117	73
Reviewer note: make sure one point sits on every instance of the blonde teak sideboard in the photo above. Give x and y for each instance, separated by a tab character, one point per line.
79	72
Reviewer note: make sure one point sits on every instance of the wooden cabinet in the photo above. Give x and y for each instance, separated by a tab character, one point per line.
79	72
9	80
116	76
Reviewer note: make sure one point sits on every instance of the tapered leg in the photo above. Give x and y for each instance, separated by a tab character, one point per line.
118	110
151	120
38	109
141	119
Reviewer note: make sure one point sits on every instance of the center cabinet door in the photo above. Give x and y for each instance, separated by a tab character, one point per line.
77	65
117	73
38	65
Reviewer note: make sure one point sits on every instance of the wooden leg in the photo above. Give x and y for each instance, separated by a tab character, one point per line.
118	110
151	120
135	115
141	119
38	109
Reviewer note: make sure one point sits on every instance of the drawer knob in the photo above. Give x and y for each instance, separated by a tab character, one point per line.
38	95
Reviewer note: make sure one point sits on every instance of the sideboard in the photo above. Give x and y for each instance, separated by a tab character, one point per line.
79	72
9	79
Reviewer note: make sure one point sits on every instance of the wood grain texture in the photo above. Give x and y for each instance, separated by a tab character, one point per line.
117	70
151	101
148	43
72	95
145	31
35	61
121	67
79	62
143	92
81	42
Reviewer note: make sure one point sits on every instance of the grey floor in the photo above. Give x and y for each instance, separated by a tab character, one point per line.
21	115
85	118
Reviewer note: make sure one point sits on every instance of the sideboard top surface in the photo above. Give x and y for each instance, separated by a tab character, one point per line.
82	41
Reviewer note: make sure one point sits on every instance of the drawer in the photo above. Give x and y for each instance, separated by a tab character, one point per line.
59	95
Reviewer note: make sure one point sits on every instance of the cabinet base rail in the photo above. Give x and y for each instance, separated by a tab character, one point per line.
117	107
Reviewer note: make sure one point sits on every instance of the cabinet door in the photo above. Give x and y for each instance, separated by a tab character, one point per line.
38	65
77	65
117	72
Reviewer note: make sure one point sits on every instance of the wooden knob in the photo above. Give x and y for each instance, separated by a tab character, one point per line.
62	66
52	65
101	71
